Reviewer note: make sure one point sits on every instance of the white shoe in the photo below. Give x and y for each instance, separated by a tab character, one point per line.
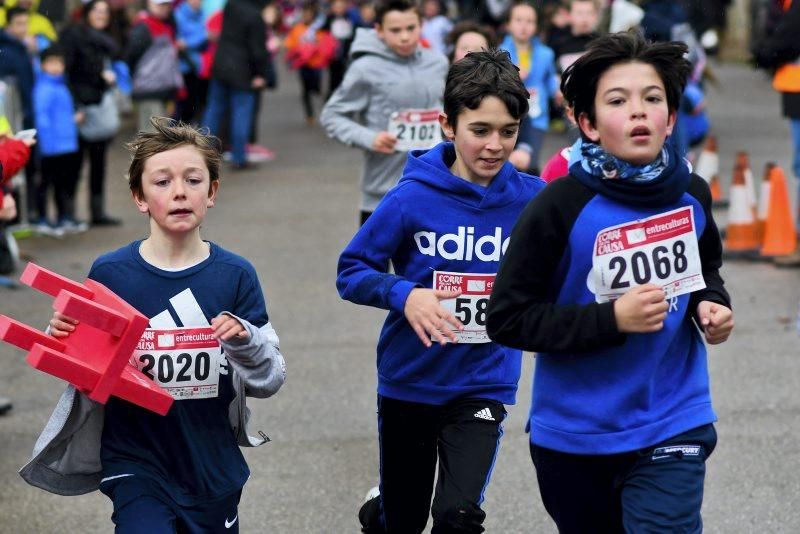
372	493
72	226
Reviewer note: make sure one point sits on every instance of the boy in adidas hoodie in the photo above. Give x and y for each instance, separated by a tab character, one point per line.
612	276
184	470
390	78
442	383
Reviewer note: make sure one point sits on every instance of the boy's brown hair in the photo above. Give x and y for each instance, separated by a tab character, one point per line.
517	3
382	7
170	134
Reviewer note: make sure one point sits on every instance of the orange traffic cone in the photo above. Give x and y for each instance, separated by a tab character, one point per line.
716	191
708	161
780	236
708	168
741	232
750	186
763	202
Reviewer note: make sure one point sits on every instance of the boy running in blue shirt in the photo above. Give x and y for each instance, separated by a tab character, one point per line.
442	383
612	276
185	470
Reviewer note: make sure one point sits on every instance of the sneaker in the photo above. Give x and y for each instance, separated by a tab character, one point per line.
46	228
72	226
5	405
370	511
372	493
258	153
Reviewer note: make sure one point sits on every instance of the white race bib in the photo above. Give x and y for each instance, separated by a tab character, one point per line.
415	129
471	306
184	361
662	250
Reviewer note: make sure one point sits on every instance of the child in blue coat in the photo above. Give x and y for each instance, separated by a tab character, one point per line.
536	63
57	128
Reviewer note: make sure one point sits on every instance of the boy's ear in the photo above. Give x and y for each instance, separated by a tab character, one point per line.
141	203
212	193
671	120
588	128
449	131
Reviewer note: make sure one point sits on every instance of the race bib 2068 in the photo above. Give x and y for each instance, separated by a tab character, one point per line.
471	306
661	250
415	129
183	361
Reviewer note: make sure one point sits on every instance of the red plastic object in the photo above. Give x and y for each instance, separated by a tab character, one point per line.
94	358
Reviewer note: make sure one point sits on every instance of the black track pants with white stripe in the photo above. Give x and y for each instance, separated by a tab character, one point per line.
463	436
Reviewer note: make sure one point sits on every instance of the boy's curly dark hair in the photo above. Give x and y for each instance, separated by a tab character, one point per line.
579	82
481	74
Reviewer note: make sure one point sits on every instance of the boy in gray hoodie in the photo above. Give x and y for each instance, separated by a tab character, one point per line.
389	100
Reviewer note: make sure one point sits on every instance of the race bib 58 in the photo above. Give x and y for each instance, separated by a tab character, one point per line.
471	306
184	361
661	250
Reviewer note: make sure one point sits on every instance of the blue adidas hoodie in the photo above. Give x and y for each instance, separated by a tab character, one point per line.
55	116
541	78
431	221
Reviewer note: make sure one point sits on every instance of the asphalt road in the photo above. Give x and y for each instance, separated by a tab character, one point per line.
291	217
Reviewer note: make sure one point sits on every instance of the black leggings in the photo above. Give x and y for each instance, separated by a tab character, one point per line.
96	151
61	173
311	81
463	436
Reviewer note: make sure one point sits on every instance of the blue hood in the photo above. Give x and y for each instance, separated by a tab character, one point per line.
432	167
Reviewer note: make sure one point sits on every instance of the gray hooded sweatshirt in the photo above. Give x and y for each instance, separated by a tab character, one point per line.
66	457
378	83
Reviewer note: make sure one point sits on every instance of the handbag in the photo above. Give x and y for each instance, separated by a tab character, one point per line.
158	69
100	121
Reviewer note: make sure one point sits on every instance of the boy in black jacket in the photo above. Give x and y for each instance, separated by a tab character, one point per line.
606	270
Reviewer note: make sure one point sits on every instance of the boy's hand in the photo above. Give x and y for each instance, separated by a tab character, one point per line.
641	310
716	320
227	327
61	325
9	209
384	143
109	76
428	318
258	83
520	159
79	117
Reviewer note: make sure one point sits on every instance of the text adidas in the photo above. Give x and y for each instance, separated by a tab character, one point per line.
463	245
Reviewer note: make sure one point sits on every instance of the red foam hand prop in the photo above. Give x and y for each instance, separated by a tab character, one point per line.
94	357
